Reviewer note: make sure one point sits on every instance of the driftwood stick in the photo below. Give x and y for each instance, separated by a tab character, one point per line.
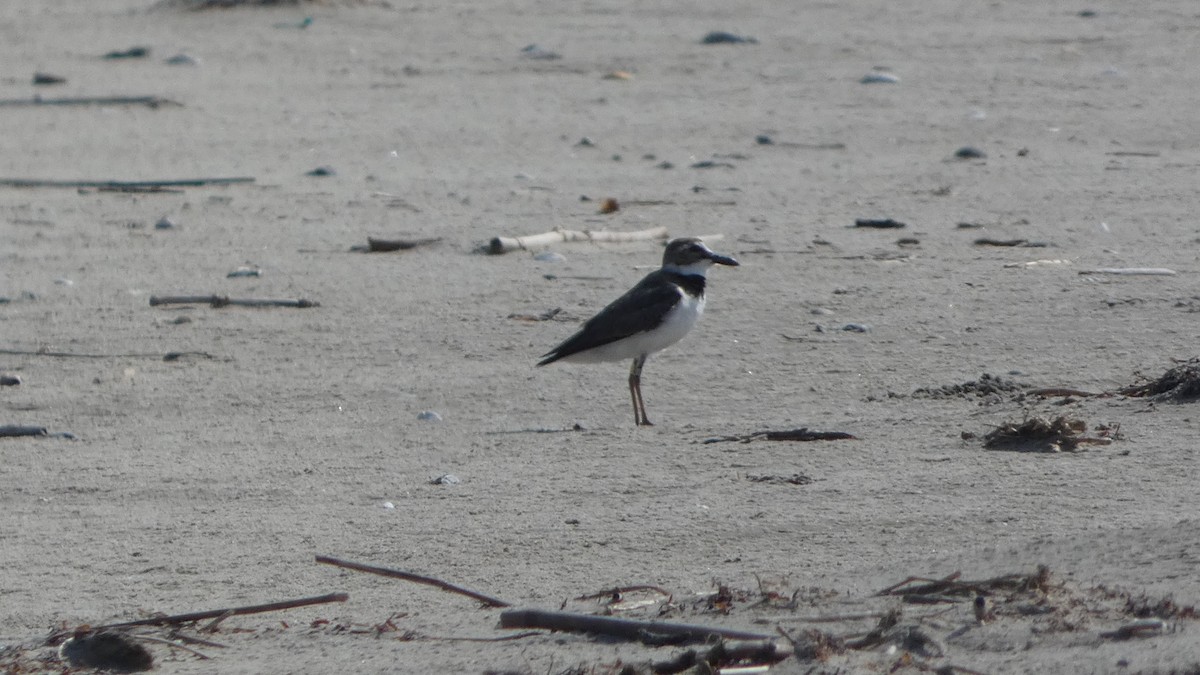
13	430
148	101
1133	271
415	578
500	245
224	301
376	245
620	590
121	185
230	611
168	356
629	629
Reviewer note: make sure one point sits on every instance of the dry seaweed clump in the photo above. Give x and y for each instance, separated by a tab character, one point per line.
1181	383
1038	434
987	385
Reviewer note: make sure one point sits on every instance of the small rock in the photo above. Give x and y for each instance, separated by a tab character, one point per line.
322	171
664	165
720	37
107	650
446	479
537	53
245	272
970	152
182	59
856	328
44	79
585	142
877	77
9	380
388	505
763	139
165	223
429	416
131	53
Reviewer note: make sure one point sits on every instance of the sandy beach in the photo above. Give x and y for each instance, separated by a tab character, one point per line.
1040	157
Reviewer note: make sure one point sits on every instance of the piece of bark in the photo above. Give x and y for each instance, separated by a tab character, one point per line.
500	245
629	629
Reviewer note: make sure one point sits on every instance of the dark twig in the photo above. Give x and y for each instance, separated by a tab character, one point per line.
169	356
121	185
148	101
416	578
616	592
191	617
629	629
224	301
801	434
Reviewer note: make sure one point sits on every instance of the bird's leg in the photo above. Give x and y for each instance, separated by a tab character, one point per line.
635	390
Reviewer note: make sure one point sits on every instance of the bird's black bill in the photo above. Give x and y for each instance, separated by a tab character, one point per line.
723	260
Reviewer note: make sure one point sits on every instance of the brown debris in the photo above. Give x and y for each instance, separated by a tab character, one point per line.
1181	383
801	434
986	386
1038	434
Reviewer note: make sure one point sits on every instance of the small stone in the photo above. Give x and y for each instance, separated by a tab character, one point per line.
388	505
970	152
44	79
720	37
322	171
585	142
763	139
165	223
9	380
429	416
879	78
537	53
182	59
446	479
664	165
245	272
856	328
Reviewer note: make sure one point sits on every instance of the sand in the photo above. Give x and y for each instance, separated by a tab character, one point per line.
213	479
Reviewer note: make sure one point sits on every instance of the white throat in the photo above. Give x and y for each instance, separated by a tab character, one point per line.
698	268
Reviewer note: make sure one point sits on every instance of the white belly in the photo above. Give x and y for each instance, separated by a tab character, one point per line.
679	321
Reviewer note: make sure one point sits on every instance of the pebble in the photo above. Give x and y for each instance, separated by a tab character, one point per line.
446	479
970	152
720	37
42	79
856	328
763	139
182	59
536	52
165	223
245	272
879	78
10	380
388	505
322	171
429	416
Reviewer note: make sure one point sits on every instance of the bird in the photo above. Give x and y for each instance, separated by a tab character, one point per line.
651	316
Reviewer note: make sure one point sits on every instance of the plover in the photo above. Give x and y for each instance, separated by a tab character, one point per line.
651	316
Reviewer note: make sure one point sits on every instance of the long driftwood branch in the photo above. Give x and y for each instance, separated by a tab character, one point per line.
224	301
230	611
629	629
121	184
416	578
500	245
14	430
148	101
